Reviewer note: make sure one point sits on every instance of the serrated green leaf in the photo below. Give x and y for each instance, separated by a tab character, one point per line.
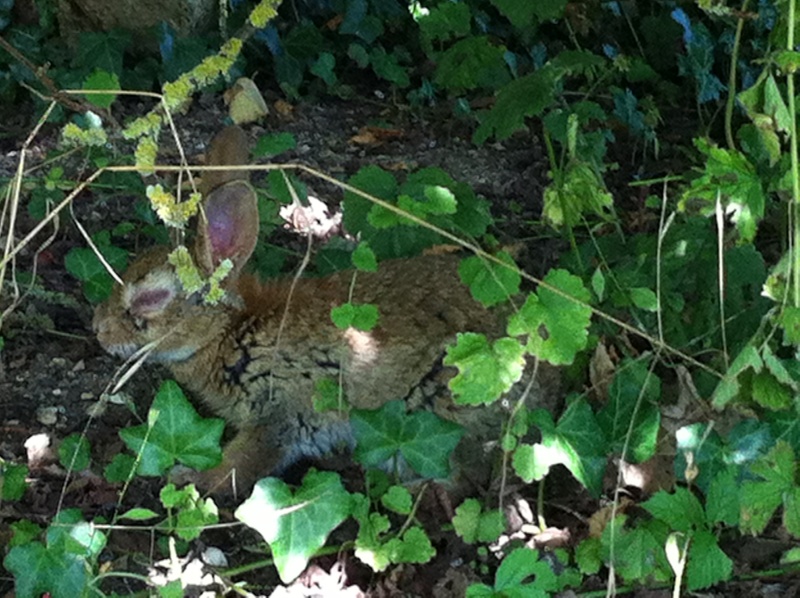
485	371
397	499
681	510
490	283
100	79
471	63
364	258
556	327
296	524
361	317
526	97
707	565
722	500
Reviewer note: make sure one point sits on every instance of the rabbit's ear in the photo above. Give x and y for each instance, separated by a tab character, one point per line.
227	227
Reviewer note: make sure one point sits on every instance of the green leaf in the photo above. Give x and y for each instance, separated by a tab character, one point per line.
273	144
638	553
444	22
557	328
707	565
485	371
526	97
731	177
103	50
361	317
364	258
760	498
577	442
680	510
397	499
74	452
139	514
532	462
12	480
323	67
722	499
644	298
474	526
471	63
178	434
328	396
728	388
424	440
634	394
100	79
296	524
121	468
770	393
517	567
489	282
588	556
599	284
579	192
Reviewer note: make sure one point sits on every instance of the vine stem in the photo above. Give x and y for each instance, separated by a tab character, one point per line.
795	211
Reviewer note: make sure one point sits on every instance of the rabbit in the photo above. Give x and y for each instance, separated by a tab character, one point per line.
254	358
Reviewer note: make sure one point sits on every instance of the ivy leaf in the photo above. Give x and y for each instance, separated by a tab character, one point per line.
577	442
557	328
296	525
485	371
178	434
424	440
489	282
633	391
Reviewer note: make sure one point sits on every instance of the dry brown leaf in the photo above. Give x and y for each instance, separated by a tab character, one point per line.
245	102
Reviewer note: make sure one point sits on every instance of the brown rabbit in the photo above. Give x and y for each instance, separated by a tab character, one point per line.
255	357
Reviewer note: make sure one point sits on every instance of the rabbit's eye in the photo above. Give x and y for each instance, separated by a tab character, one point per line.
138	322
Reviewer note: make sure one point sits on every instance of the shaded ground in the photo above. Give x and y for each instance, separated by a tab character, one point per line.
53	371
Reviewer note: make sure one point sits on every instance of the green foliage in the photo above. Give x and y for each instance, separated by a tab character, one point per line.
485	371
473	525
60	566
422	439
84	265
12	480
489	282
74	452
360	317
296	524
555	325
430	195
187	512
174	432
522	573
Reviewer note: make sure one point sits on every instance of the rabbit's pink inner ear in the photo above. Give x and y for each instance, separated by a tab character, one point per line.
149	300
230	227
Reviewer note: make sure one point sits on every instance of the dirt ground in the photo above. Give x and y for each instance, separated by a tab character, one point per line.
53	372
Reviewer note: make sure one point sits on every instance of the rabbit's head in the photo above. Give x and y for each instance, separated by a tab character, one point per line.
153	307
